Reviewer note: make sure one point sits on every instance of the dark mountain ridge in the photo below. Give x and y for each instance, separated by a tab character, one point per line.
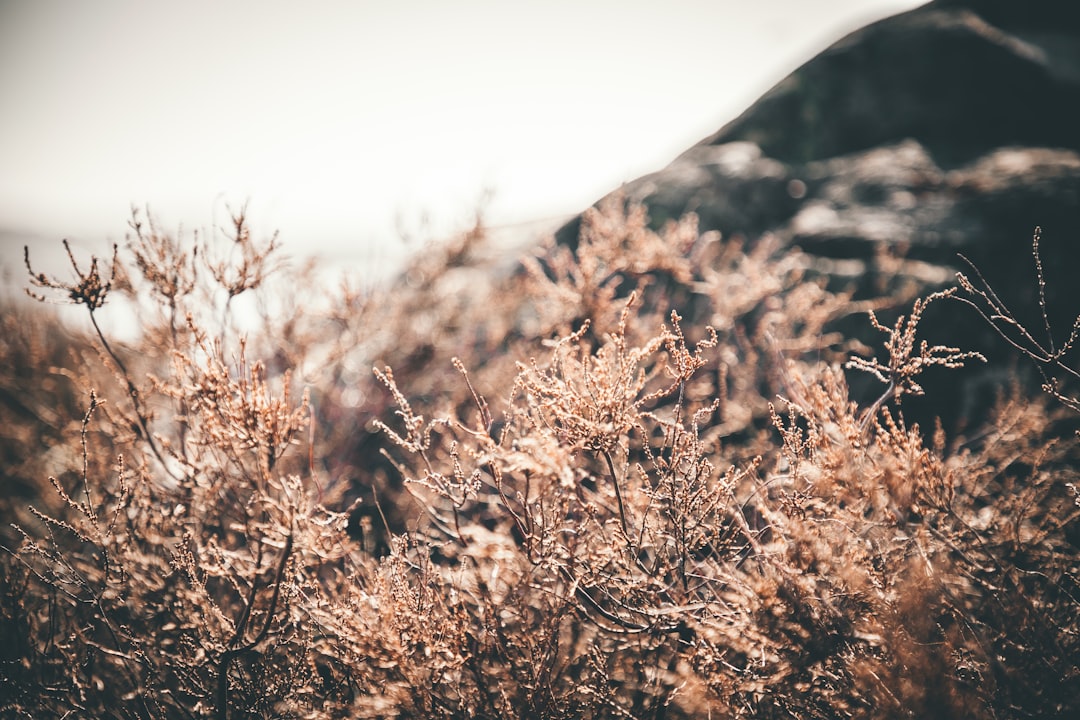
950	130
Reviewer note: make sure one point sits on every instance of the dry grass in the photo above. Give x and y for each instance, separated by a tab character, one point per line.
629	480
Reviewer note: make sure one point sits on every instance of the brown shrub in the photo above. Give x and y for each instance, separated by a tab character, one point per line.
624	481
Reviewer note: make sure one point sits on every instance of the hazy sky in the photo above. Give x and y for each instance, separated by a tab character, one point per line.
336	119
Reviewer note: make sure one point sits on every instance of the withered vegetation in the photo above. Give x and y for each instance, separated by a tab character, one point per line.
624	480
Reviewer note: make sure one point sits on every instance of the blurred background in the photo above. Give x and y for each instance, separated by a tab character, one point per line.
349	126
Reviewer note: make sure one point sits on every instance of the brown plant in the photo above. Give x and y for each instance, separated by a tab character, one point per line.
624	480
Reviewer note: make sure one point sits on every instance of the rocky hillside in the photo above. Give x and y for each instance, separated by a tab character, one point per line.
950	129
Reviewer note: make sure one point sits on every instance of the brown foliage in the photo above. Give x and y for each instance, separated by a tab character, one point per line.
628	480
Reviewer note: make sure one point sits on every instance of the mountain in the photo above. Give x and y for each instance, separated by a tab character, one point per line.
952	129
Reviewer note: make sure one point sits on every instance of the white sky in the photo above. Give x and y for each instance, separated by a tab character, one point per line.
338	119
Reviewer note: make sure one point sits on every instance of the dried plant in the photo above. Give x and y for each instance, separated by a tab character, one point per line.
1053	360
906	359
626	480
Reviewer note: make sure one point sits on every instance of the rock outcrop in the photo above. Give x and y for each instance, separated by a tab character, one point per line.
950	129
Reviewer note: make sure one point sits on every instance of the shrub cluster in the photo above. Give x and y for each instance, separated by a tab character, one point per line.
627	479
